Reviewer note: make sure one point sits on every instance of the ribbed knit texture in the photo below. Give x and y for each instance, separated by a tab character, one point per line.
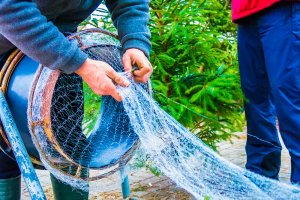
36	28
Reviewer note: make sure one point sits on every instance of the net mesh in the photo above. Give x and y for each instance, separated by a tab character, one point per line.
79	142
78	147
188	161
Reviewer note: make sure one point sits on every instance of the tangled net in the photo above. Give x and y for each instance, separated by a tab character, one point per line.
79	150
74	145
190	163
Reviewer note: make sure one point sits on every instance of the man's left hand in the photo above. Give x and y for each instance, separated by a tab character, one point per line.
136	57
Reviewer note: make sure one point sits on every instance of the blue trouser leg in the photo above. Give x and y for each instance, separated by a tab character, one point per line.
263	146
278	31
280	35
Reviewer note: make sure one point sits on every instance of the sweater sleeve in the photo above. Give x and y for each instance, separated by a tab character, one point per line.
130	17
22	23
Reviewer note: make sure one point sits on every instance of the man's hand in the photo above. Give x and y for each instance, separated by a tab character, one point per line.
136	57
101	78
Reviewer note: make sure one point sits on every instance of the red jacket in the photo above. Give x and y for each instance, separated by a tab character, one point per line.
244	8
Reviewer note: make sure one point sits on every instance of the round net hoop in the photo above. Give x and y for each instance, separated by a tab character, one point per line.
55	118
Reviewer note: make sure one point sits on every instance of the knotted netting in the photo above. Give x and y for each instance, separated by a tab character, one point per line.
78	142
79	148
190	163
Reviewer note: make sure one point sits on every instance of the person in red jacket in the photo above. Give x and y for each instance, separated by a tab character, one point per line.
269	59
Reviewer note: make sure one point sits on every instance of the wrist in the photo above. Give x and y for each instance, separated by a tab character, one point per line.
83	68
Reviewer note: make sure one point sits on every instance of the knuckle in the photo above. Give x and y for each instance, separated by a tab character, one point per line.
118	79
147	69
125	58
109	70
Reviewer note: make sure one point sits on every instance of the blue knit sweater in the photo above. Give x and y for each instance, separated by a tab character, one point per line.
36	26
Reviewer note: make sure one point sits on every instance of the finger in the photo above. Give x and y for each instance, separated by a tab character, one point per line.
115	94
118	79
142	79
144	67
111	90
142	72
126	60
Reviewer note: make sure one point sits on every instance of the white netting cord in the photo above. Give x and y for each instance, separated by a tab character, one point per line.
188	161
73	153
50	157
80	153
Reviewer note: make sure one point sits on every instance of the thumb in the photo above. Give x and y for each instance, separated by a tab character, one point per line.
126	60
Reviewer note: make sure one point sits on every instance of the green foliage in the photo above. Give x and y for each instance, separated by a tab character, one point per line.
206	198
92	103
195	76
99	19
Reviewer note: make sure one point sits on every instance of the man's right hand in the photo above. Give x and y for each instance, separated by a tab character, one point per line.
101	77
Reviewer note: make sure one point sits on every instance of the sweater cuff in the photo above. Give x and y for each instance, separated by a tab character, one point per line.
75	62
137	44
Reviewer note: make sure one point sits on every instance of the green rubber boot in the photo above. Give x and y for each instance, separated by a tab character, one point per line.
10	189
64	191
